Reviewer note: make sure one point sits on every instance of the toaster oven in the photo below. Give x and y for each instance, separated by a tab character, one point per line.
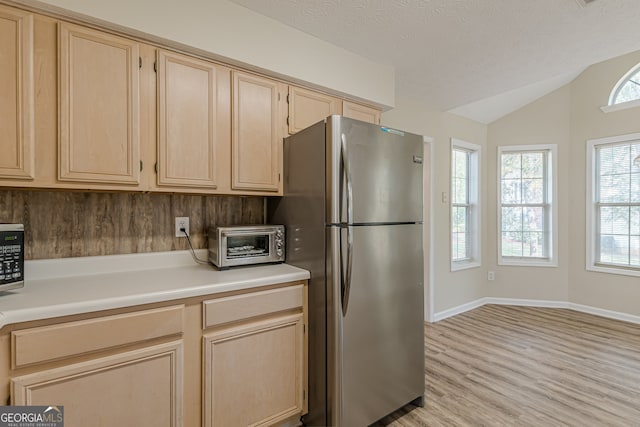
246	245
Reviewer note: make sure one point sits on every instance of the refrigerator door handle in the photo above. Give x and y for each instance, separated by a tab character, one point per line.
346	281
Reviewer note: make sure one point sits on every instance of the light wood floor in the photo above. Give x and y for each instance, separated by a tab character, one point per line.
522	366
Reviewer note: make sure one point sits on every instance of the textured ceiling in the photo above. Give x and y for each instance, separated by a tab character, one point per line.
452	53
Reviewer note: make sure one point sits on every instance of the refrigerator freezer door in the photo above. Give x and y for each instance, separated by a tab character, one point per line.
384	173
378	345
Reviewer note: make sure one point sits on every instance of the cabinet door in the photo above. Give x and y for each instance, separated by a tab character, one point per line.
307	107
16	94
188	121
257	133
360	112
135	388
99	107
253	373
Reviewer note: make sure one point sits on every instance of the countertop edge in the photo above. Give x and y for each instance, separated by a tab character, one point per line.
89	305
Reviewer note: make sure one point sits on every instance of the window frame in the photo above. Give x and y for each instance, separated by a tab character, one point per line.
551	204
611	104
621	83
592	231
474	233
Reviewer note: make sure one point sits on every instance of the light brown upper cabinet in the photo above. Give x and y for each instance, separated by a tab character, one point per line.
360	112
16	93
86	109
99	107
257	133
307	107
193	122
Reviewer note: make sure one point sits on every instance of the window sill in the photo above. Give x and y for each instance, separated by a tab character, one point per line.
521	262
613	270
464	265
621	106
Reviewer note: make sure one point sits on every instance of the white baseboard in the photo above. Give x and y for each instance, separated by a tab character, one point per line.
605	313
527	302
459	309
616	315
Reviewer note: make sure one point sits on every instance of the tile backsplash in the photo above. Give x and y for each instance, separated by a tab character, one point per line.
62	224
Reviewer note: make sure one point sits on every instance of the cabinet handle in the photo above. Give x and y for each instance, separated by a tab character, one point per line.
141	165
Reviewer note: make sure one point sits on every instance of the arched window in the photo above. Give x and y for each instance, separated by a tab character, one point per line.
628	88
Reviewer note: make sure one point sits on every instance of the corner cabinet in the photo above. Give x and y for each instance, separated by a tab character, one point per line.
255	353
193	99
99	137
257	133
16	94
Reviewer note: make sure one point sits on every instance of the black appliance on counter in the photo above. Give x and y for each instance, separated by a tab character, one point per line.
11	256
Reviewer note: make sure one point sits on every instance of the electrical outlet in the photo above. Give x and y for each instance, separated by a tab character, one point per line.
182	222
491	275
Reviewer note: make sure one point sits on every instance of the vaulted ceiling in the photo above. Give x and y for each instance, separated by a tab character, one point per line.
478	58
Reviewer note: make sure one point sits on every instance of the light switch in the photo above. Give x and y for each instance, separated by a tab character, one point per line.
445	197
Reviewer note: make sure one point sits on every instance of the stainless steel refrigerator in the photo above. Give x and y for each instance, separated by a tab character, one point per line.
352	208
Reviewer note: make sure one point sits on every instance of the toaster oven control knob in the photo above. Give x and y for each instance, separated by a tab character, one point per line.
279	243
279	252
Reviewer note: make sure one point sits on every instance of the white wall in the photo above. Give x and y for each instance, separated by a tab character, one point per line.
545	121
589	92
231	31
567	117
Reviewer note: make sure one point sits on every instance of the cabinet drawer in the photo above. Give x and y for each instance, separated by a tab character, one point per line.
37	345
238	307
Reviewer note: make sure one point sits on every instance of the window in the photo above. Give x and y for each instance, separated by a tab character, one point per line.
628	88
613	205
527	206
626	93
465	209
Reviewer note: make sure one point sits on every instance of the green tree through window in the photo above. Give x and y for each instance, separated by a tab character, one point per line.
526	205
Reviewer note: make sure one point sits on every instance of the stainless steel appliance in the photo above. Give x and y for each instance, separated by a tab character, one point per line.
352	206
245	245
11	256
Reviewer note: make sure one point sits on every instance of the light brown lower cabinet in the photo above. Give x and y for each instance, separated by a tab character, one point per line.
258	363
231	359
134	388
255	353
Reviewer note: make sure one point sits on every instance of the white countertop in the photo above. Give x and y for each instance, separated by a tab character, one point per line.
62	287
